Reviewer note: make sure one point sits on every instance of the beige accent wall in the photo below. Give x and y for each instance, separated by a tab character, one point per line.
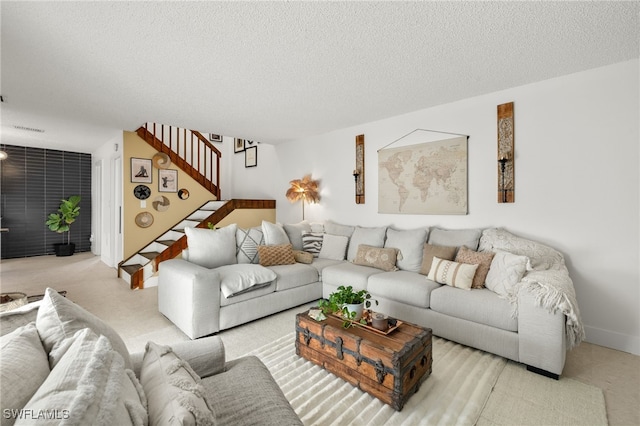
248	218
135	237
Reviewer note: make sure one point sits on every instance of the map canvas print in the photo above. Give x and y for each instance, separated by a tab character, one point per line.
427	178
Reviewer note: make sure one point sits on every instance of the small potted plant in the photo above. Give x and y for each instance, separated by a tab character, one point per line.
61	222
347	303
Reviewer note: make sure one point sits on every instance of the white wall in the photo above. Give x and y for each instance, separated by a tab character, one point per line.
577	182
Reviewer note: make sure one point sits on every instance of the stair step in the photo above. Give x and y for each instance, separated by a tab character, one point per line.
150	254
166	242
131	269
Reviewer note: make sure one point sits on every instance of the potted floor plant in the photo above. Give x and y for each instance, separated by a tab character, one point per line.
347	303
61	221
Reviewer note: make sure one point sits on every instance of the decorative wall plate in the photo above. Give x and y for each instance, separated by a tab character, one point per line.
183	194
144	219
142	192
161	160
161	203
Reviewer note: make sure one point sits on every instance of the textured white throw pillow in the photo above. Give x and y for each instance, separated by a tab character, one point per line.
410	244
334	247
20	348
373	237
506	271
274	234
212	248
452	273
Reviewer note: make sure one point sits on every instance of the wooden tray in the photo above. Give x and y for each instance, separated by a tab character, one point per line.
368	326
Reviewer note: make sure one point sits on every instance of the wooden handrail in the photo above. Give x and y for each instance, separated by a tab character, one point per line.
187	154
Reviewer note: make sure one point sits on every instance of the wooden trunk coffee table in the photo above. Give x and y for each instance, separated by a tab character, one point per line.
389	367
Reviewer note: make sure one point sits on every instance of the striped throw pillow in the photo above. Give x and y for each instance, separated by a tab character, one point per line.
312	242
452	273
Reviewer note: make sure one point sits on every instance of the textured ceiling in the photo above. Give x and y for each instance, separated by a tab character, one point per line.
277	71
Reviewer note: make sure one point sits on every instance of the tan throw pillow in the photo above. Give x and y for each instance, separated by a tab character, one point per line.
281	254
481	258
174	391
302	256
376	257
430	250
451	273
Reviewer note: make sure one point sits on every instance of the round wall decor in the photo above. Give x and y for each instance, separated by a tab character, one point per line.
161	160
161	203
144	219
183	194
142	192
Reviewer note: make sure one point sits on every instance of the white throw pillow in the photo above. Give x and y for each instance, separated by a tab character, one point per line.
90	386
506	271
274	234
237	279
174	391
410	244
373	237
21	349
452	273
334	247
59	318
211	248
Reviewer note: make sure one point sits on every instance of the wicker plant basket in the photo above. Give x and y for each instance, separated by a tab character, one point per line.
12	300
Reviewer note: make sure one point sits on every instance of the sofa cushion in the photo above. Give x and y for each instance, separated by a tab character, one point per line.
296	275
255	292
479	305
334	247
368	236
482	259
247	242
277	254
337	229
376	257
312	242
347	273
59	318
320	264
430	251
274	234
455	237
211	248
454	274
402	286
90	385
21	348
241	278
507	269
410	244
174	391
294	232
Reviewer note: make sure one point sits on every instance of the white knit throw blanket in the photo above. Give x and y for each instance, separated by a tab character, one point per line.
548	280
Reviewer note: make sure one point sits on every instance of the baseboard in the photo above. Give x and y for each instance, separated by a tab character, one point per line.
613	340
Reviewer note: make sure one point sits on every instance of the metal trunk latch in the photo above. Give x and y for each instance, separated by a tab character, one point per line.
307	336
380	373
339	348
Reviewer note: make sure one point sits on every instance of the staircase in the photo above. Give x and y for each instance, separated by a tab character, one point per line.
188	150
140	270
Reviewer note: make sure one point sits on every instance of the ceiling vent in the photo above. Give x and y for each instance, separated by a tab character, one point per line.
29	129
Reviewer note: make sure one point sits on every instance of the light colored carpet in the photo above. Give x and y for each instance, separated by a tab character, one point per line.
464	381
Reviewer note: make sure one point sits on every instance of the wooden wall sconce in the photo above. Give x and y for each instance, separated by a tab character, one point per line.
506	158
358	172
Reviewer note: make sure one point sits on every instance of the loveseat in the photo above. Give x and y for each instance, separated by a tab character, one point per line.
61	364
488	289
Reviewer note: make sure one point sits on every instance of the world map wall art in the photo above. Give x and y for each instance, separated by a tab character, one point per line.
425	178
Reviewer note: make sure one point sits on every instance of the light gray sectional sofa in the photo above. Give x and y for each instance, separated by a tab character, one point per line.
521	305
61	365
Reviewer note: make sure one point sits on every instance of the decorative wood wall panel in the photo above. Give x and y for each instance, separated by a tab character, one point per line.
506	158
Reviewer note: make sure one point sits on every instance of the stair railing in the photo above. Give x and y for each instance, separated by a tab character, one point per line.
188	150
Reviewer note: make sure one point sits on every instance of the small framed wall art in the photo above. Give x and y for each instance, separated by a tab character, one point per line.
238	145
215	138
167	180
251	157
140	170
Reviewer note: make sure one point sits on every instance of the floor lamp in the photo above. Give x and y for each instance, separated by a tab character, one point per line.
305	189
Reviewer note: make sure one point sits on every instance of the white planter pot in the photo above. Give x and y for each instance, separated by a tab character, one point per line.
355	308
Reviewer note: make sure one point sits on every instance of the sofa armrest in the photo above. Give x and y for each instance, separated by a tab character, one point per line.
206	356
189	295
541	335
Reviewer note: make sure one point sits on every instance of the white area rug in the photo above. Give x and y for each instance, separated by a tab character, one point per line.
466	387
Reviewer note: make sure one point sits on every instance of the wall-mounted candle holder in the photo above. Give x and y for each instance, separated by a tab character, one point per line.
358	172
506	158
